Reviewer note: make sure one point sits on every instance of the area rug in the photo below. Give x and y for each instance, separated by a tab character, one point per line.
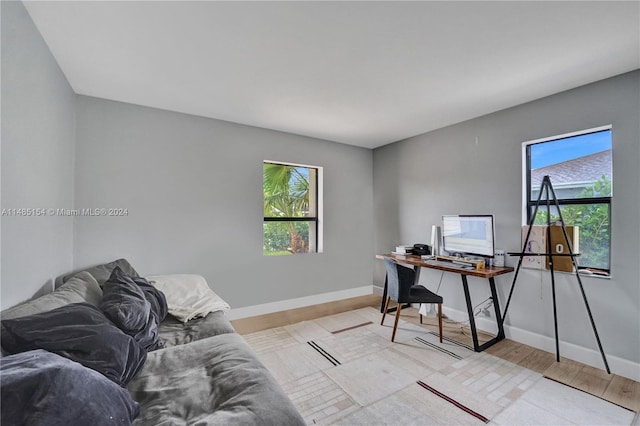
343	369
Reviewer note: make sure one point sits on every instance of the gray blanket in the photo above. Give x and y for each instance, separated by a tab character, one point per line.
41	388
212	381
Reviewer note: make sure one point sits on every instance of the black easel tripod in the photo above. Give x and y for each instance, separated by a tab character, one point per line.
547	188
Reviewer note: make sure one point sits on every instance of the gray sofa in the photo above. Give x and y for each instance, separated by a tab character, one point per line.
205	374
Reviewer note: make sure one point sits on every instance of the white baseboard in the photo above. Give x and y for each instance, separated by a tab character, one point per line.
300	302
592	357
619	366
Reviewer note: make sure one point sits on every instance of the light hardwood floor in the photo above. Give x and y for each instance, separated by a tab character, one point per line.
293	316
611	387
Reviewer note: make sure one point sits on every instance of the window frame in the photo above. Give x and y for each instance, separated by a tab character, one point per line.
315	245
529	204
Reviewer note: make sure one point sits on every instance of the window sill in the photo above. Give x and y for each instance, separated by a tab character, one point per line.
584	274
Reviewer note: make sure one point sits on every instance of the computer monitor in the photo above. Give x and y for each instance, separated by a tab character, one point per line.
468	234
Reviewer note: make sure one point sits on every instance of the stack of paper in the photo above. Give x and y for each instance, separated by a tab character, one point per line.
404	249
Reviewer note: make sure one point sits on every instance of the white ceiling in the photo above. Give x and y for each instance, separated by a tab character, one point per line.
360	73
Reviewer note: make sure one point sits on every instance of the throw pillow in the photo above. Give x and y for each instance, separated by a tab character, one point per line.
188	296
80	332
101	272
124	303
144	309
81	288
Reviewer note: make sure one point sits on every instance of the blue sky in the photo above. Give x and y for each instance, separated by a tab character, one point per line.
547	153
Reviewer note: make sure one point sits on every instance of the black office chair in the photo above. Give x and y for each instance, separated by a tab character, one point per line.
401	287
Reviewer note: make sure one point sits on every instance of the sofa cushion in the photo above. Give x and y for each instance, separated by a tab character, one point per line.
40	387
101	272
82	287
135	306
174	332
79	332
213	381
188	296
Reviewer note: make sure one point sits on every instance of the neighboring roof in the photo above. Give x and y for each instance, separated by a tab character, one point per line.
582	169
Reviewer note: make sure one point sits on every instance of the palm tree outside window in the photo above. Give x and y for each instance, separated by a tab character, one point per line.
290	209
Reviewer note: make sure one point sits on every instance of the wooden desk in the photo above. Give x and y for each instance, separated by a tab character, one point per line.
488	273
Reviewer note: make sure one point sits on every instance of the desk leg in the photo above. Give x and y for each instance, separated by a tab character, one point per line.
496	305
472	320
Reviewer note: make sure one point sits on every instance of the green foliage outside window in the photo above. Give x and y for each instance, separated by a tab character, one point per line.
286	195
277	237
594	221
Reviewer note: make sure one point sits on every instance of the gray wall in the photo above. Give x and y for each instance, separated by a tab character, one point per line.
193	190
475	167
38	134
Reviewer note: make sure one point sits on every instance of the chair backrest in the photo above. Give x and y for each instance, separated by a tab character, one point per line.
400	279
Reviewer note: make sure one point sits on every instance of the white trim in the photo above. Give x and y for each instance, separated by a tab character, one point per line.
617	365
569	135
524	185
320	209
300	302
592	357
286	163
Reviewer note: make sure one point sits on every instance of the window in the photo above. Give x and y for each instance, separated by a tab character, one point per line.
291	209
580	168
